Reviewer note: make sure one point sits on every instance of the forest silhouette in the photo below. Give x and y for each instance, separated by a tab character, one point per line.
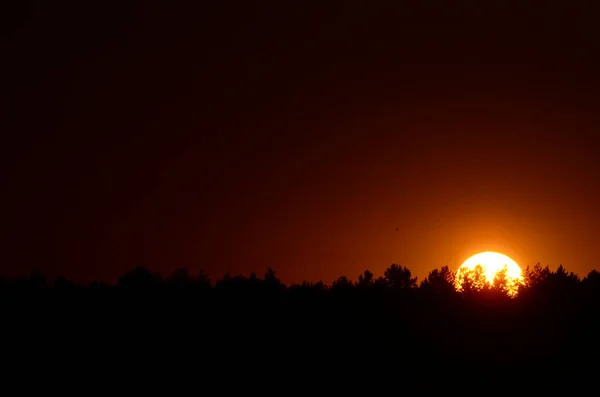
247	325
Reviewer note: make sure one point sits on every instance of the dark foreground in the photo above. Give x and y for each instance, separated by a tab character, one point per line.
251	334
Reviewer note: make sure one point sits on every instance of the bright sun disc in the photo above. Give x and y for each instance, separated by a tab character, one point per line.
492	263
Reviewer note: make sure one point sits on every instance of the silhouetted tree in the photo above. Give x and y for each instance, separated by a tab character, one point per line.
224	280
365	280
591	285
469	281
505	285
202	280
563	282
568	277
439	282
271	278
342	283
320	286
64	284
180	278
140	278
535	276
399	277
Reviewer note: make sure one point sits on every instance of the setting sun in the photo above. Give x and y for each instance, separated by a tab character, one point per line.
492	264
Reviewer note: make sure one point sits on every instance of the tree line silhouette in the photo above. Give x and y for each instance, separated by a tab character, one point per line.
248	323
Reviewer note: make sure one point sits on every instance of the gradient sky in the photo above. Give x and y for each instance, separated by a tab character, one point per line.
299	136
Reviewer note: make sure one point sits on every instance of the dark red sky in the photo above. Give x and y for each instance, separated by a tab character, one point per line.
300	136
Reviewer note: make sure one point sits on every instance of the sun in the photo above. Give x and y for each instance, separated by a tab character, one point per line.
492	263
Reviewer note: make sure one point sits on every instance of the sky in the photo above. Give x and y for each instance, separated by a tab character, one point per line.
318	138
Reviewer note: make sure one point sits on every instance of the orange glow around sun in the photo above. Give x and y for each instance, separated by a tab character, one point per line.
492	265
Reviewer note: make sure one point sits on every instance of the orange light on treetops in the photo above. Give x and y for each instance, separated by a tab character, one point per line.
493	265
